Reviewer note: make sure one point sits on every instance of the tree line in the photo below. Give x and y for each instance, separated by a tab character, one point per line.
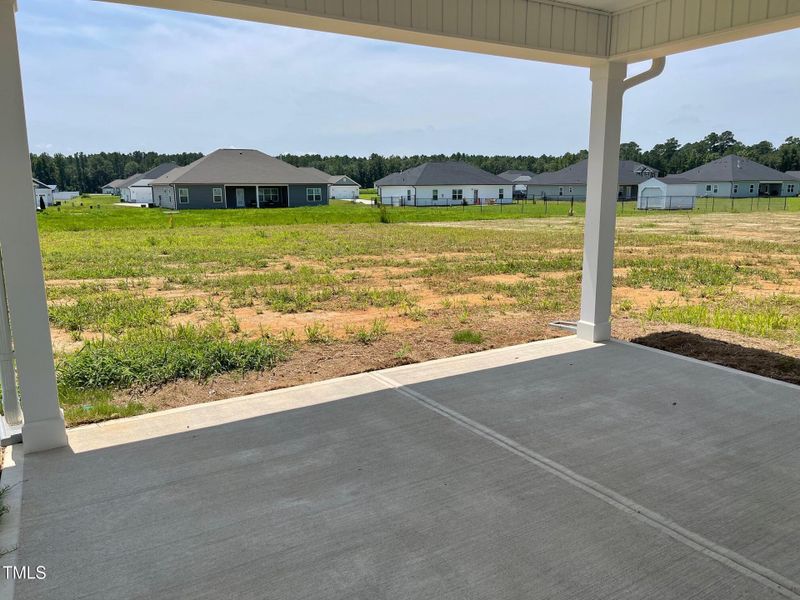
89	172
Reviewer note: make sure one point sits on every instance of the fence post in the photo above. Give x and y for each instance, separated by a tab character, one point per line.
751	204
769	203
713	200
731	203
785	200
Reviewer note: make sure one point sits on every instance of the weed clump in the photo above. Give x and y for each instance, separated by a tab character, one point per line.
153	357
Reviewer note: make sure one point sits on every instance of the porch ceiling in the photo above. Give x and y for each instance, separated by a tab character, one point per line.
577	33
556	469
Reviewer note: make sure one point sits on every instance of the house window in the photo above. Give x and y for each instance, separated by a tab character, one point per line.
708	187
183	195
500	193
790	188
435	194
716	188
735	188
269	196
570	189
561	191
458	194
752	188
313	195
217	195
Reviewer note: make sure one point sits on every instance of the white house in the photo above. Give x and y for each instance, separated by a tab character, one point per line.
139	191
340	187
344	188
672	192
42	193
124	187
444	184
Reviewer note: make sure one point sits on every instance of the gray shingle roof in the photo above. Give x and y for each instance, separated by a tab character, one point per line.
242	166
795	174
442	173
630	173
332	179
515	176
114	184
129	181
158	171
674	179
734	168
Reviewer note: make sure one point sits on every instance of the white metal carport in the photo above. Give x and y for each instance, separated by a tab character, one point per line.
603	35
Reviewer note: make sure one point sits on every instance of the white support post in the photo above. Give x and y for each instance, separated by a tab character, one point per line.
601	200
8	376
44	423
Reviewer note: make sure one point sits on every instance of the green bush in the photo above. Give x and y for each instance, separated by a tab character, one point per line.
153	357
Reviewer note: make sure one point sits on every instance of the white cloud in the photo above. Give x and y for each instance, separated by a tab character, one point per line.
105	76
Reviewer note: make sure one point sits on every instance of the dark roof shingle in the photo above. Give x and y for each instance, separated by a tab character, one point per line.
734	168
442	173
630	173
245	167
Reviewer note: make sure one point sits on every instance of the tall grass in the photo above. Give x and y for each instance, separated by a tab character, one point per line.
152	357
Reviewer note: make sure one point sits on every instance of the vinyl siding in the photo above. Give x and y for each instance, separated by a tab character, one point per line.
297	195
200	196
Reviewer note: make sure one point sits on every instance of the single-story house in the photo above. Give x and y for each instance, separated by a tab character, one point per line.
112	187
570	182
341	187
737	177
239	178
139	191
520	179
124	187
796	175
443	183
672	192
42	193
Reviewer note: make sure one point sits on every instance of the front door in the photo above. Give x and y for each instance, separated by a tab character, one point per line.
475	199
239	197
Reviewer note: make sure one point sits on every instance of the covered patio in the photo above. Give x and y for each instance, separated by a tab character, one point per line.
526	472
534	471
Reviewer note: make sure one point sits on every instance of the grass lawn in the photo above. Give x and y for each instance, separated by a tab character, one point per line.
151	309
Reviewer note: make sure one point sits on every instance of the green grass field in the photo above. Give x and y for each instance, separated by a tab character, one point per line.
142	298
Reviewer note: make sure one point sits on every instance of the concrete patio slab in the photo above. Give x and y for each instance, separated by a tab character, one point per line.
559	469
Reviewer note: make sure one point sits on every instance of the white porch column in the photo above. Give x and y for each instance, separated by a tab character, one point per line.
44	424
601	200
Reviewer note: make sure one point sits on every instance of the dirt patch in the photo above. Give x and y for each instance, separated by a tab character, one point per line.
317	362
644	297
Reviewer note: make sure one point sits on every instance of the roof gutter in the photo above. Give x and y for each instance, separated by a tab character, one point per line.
656	68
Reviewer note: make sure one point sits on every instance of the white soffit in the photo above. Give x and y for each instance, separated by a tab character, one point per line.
567	33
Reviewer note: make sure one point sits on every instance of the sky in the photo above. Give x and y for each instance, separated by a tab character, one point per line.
105	77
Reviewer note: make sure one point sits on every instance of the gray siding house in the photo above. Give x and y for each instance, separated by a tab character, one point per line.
737	177
570	182
239	178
